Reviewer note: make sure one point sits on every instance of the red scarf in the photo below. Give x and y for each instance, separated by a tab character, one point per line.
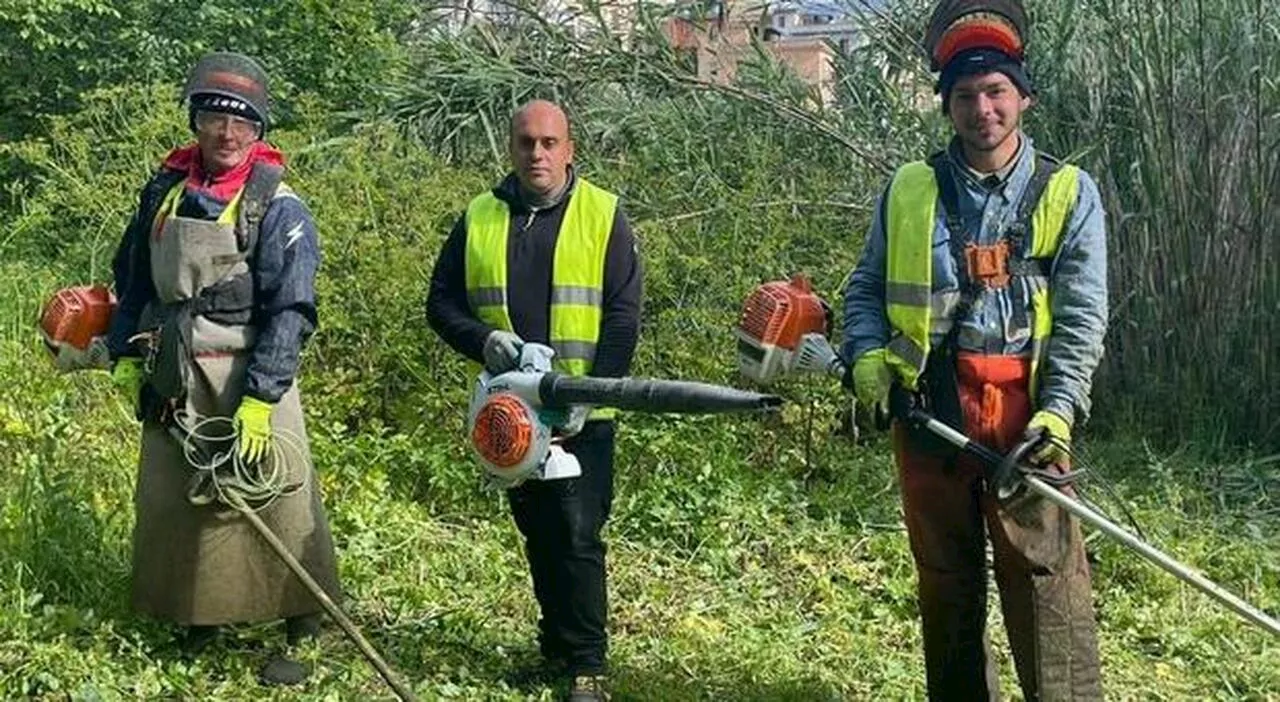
223	186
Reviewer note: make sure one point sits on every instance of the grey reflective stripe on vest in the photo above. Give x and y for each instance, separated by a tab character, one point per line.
486	297
907	350
913	294
581	350
576	295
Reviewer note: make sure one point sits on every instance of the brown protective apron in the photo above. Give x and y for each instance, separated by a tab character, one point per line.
204	565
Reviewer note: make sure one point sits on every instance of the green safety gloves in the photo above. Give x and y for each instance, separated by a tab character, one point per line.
127	376
253	428
871	378
501	351
1056	434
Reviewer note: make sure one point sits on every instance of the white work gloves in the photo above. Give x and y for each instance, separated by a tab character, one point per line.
501	351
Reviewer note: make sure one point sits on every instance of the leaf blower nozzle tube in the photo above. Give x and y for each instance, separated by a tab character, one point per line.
648	395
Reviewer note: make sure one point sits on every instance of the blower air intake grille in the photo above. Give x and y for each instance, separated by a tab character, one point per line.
503	432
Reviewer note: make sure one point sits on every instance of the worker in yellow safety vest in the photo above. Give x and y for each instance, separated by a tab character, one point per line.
548	257
982	289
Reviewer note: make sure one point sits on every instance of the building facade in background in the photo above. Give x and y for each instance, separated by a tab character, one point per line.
806	37
718	35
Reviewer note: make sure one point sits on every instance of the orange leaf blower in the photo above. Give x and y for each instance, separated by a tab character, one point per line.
517	419
74	326
783	329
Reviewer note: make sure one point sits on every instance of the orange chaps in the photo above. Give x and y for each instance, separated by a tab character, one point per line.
1039	558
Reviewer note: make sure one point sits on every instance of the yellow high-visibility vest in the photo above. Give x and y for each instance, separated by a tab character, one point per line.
577	274
910	218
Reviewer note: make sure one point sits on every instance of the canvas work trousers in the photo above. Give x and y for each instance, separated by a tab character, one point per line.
1038	552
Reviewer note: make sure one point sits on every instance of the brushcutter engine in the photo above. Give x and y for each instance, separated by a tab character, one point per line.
74	326
517	419
782	330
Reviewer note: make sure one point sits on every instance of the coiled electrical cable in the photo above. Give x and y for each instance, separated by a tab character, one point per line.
211	447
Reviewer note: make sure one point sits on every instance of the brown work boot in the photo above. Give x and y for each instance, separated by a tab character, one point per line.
589	688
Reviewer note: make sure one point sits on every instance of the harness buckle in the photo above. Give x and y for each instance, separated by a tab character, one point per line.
988	265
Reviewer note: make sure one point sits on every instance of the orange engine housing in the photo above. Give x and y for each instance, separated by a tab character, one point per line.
75	316
503	431
775	318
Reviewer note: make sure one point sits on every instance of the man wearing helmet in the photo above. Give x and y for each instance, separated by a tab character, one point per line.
215	279
982	291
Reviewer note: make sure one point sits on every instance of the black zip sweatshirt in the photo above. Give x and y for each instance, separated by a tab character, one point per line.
531	244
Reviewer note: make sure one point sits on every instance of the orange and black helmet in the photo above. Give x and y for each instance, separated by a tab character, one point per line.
224	81
969	37
960	25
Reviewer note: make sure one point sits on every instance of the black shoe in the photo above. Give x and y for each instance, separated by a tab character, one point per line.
298	629
197	638
589	688
283	671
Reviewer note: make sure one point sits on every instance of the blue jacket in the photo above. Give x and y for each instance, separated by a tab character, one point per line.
284	267
999	321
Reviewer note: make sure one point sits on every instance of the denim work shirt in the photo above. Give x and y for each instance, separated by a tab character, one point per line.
1000	320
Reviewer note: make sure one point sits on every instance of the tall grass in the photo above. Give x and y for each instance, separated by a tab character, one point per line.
1175	106
750	560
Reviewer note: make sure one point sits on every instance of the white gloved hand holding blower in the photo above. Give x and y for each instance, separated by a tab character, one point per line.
501	351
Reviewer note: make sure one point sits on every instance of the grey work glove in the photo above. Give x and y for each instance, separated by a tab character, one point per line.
501	351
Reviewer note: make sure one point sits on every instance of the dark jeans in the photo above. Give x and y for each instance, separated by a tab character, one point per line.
561	522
